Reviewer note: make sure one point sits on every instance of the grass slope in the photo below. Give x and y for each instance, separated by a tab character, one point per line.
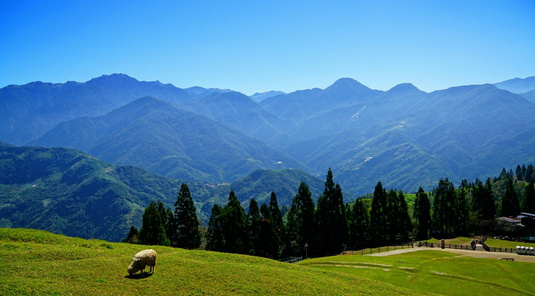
36	262
437	272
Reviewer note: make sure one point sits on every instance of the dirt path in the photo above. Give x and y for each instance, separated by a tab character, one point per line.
476	254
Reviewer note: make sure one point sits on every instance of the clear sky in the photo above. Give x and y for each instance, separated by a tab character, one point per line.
255	46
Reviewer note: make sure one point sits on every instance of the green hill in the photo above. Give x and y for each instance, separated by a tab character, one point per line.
40	263
70	192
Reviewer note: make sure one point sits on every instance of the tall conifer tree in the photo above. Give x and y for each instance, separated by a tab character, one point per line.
254	224
301	222
235	226
331	217
510	203
185	223
422	215
278	224
214	235
379	216
358	220
528	203
153	231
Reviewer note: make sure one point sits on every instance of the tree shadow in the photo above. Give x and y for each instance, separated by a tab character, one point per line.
139	276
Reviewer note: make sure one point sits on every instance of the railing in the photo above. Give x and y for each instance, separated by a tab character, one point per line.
466	247
377	250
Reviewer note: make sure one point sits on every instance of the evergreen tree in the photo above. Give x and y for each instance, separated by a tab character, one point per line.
133	236
268	246
528	203
331	218
510	204
153	231
379	216
185	224
214	235
235	226
422	215
461	209
503	174
254	224
278	224
358	220
483	201
392	212
519	173
301	222
529	173
403	219
444	208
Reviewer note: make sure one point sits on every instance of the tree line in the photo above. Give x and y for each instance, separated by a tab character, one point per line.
330	226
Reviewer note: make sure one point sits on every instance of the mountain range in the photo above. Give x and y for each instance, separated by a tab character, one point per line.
404	137
70	192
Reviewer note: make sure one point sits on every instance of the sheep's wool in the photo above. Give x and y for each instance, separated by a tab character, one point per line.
141	260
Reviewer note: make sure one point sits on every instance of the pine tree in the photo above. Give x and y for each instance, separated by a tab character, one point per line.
519	173
379	216
528	203
331	218
278	224
214	235
235	226
254	227
301	222
268	246
403	218
461	209
444	208
510	204
358	220
153	231
185	224
133	236
529	173
422	215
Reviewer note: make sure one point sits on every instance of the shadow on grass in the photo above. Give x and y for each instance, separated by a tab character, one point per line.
139	276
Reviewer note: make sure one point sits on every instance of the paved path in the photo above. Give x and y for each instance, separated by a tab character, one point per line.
476	254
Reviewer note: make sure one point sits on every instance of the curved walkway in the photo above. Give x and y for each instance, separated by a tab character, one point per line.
475	254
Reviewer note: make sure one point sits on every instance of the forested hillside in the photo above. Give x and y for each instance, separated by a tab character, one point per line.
70	192
154	135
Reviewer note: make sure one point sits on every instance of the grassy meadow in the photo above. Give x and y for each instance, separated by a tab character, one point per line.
437	272
34	262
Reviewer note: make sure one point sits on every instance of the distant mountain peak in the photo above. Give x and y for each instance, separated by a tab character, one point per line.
345	85
258	97
346	82
518	85
113	78
403	87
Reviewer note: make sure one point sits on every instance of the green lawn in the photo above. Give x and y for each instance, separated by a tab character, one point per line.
35	262
437	272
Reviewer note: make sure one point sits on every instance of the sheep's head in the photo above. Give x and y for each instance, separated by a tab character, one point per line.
132	269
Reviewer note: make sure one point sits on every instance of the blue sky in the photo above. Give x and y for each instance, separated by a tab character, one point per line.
252	46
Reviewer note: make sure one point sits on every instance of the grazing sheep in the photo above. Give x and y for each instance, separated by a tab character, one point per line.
141	260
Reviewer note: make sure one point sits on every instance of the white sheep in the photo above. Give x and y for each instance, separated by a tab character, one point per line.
141	260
